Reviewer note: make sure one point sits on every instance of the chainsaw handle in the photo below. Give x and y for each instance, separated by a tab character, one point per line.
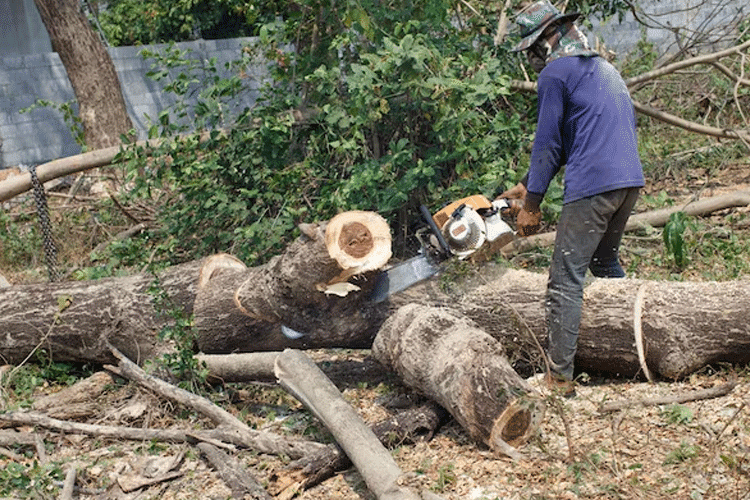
427	216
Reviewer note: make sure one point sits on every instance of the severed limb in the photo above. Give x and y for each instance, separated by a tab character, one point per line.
712	392
302	378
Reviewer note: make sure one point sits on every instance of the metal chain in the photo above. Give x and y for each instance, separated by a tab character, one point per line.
50	250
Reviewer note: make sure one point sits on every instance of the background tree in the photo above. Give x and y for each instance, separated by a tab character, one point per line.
91	72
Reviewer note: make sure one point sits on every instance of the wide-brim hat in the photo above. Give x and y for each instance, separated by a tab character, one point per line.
532	22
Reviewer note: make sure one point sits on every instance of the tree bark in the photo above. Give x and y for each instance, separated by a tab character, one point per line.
75	320
685	325
250	309
302	378
90	70
449	359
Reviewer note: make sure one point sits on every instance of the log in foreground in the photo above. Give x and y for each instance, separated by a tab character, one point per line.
302	378
446	357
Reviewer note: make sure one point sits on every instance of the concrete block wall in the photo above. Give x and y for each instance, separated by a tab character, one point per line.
691	16
42	135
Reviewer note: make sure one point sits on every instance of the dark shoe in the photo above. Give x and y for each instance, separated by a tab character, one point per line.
560	386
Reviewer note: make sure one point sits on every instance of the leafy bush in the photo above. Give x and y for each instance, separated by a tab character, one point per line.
420	113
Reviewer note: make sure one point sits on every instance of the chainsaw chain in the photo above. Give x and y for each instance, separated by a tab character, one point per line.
50	250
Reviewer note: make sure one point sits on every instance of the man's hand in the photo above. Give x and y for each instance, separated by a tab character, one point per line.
529	219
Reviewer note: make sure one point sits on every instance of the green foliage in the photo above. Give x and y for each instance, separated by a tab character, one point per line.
446	478
419	113
677	414
20	384
674	241
20	240
69	111
32	480
180	363
137	22
681	454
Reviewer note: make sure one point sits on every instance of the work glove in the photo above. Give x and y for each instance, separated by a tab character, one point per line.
515	197
529	219
517	192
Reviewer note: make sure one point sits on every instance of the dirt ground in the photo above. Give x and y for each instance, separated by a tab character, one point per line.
698	449
693	450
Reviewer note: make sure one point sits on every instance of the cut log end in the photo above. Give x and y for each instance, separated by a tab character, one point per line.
517	423
358	241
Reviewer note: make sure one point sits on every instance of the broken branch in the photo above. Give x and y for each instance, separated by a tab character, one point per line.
712	392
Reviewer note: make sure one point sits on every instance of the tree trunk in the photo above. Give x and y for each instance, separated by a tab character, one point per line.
90	70
684	325
449	359
74	320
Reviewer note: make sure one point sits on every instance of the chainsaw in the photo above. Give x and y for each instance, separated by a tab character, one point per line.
458	230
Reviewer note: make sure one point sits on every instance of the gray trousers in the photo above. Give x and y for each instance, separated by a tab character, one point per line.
588	237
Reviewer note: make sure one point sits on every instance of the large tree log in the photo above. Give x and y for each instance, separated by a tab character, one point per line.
74	320
684	325
450	360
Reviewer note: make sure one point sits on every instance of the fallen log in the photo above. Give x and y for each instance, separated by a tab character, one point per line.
303	379
684	326
240	367
279	305
76	320
298	299
449	359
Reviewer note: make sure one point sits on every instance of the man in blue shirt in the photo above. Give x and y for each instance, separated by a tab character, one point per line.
586	123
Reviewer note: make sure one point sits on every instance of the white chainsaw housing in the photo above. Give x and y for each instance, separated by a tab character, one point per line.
466	229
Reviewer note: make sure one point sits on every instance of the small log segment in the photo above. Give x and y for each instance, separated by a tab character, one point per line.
446	357
303	379
300	299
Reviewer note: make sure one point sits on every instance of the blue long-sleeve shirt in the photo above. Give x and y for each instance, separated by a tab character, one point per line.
586	122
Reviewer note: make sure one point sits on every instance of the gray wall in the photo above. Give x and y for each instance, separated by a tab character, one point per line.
707	24
42	134
21	28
